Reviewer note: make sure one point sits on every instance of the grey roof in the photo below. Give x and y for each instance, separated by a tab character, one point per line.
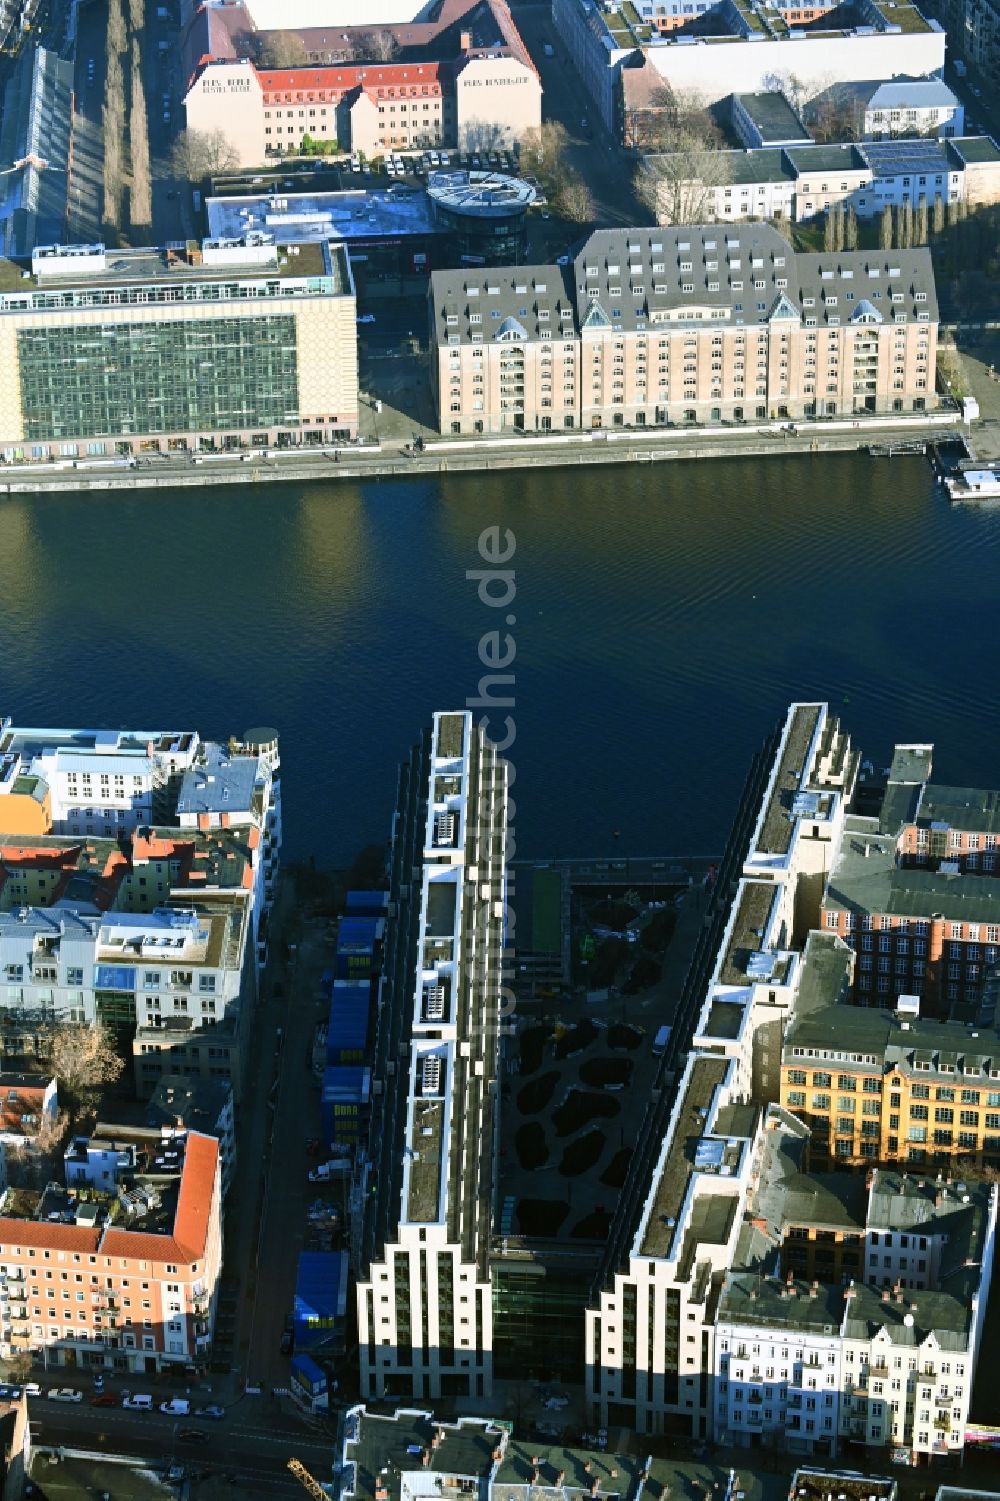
892	157
218	783
874	276
967	808
773	117
646	266
195	1103
975	149
913	93
946	1315
844	158
535	297
867	879
823	1020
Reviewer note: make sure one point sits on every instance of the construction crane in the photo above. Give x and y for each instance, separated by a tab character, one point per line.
31	160
307	1481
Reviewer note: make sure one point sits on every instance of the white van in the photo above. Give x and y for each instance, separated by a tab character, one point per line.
660	1041
177	1407
140	1402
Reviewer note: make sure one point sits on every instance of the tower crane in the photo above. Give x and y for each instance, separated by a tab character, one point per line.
307	1481
31	160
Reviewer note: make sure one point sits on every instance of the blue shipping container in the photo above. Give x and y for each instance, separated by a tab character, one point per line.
320	1305
367	903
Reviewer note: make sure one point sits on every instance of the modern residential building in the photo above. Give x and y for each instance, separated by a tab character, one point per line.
745	1295
220	344
466	81
158	929
425	1201
734	47
802	182
685	325
767	120
124	1279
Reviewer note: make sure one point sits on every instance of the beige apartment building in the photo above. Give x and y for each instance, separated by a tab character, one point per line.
700	324
475	102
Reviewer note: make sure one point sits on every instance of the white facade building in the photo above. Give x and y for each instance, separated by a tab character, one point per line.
913	106
425	1320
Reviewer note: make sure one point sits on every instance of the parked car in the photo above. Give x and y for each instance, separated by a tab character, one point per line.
104	1399
177	1407
32	1389
140	1402
10	1393
216	1413
286	1344
313	1146
64	1394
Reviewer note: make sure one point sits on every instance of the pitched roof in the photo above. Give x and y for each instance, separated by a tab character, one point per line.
374	78
191	1220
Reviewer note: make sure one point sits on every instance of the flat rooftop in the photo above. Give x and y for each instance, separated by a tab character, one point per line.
750	922
867	879
969	809
776	829
773	116
679	1165
299	218
820	1485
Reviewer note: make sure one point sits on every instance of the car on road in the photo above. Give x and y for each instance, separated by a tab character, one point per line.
32	1389
192	1435
64	1394
10	1393
177	1407
140	1402
216	1413
313	1146
548	49
562	260
366	317
286	1344
104	1399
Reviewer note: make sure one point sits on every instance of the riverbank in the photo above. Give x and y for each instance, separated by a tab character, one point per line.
487	454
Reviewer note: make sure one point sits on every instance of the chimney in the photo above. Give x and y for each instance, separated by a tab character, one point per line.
560	1479
425	1457
790	1278
464	41
595	1485
536	1475
587	1467
869	1177
814	1289
885	1295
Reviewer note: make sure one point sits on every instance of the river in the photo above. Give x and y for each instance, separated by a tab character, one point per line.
664	617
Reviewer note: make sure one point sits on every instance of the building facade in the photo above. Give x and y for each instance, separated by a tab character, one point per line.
689	325
748	48
231	344
425	1319
752	1291
913	106
157	930
475	89
803	182
127	1281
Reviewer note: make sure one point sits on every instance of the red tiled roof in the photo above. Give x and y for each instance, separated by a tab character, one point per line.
191	1221
39	1234
378	79
28	1099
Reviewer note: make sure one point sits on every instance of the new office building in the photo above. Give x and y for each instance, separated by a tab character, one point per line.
425	1207
218	344
698	324
742	1297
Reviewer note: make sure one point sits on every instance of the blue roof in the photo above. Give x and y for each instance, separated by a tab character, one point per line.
357	935
321	1286
312	1374
346	1084
367	903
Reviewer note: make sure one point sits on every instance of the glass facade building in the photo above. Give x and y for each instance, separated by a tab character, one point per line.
118	379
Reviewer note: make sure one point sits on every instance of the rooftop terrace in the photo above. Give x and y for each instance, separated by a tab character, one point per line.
776	828
749	923
679	1165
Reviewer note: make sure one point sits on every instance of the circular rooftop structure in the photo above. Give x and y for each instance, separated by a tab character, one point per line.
479	195
484	215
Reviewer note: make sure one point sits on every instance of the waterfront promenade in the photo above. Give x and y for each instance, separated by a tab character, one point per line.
397	456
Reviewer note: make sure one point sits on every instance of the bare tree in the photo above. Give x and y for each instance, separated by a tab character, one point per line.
136	16
282	49
84	1061
851	228
679	186
198	154
921	226
789	84
111	167
141	197
378	46
937	221
574	200
543	151
885	229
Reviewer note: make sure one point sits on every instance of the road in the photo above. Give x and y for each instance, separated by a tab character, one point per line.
606	168
251	1446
